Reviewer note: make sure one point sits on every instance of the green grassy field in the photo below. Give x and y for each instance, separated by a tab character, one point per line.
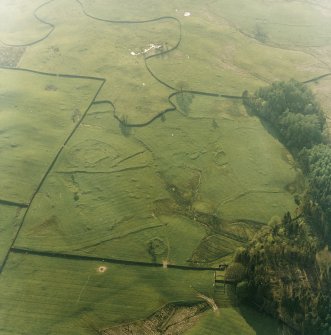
187	189
42	295
229	62
234	321
17	24
10	220
104	54
111	195
38	112
289	24
236	158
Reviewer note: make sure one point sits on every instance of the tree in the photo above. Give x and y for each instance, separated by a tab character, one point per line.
316	163
236	272
299	130
280	98
260	34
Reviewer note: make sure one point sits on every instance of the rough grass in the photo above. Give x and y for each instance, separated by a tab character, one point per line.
110	195
226	61
290	24
108	207
236	158
223	59
10	218
105	52
17	24
36	117
214	247
42	295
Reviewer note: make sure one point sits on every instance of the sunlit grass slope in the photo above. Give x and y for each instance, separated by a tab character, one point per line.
214	56
37	114
10	218
42	295
114	196
105	51
224	60
284	23
101	197
221	157
17	24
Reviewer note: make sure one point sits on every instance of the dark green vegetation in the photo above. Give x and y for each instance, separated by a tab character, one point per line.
316	162
287	277
293	112
297	119
288	262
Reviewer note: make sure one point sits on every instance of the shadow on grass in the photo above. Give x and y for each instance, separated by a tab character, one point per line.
264	324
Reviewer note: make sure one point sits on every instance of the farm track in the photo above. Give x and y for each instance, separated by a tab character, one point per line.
94	101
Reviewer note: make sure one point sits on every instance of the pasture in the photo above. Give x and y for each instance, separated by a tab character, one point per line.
114	152
109	195
42	295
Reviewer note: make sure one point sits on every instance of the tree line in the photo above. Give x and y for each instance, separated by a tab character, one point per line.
287	263
300	124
